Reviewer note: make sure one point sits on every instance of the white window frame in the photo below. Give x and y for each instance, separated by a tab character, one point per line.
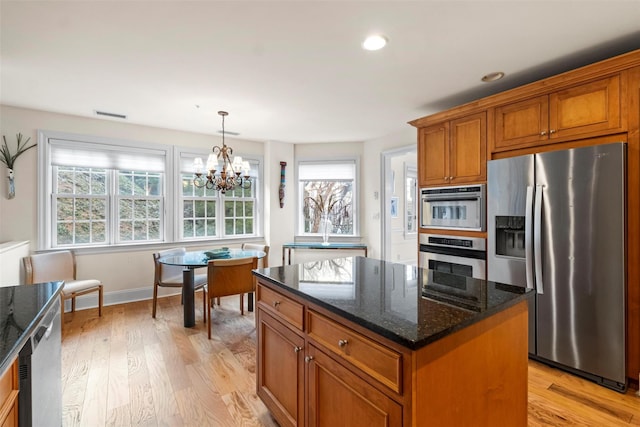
256	173
356	197
46	215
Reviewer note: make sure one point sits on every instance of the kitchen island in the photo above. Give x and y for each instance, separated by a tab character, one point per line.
362	342
22	309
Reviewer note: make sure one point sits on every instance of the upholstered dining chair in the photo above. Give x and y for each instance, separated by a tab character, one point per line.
61	265
170	276
229	277
262	262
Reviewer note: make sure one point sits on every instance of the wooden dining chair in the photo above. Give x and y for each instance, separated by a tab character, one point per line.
262	263
61	265
229	277
170	276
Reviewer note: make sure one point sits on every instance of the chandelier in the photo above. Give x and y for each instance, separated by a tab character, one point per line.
228	177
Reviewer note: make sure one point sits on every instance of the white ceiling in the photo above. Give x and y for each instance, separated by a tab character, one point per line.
292	71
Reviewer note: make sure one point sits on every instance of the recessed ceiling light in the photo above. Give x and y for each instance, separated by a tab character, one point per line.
492	77
374	42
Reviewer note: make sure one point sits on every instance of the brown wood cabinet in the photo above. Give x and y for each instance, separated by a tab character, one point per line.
281	370
333	372
453	152
581	106
9	396
581	111
337	397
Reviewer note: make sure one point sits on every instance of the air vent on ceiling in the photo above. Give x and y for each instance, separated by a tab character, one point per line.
114	115
228	132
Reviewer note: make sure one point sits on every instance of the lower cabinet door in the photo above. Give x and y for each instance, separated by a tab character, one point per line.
280	370
337	397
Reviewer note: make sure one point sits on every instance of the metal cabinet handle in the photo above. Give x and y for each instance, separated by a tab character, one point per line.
552	131
308	359
297	349
450	178
343	343
276	304
543	133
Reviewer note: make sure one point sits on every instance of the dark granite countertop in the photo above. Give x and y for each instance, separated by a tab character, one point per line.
408	305
21	309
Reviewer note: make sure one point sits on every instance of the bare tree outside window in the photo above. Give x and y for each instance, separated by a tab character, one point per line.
333	198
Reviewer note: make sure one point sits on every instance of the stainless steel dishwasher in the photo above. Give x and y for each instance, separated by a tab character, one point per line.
40	397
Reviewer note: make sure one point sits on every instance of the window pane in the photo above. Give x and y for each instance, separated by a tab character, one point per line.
154	208
126	209
65	181
187	186
98	183
248	209
140	230
98	232
200	209
82	209
65	233
154	230
139	185
248	226
126	230
83	180
83	232
140	209
228	226
211	227
187	211
200	227
154	185
125	184
239	226
64	208
187	228
211	208
228	208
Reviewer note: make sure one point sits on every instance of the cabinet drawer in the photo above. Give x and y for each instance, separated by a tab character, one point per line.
380	362
281	307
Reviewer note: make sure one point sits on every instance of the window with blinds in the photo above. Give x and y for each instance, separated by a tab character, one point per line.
327	197
105	194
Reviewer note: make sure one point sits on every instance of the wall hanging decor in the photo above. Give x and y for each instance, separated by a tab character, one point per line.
281	190
9	160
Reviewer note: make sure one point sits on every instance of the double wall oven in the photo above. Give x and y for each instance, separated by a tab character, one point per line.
453	208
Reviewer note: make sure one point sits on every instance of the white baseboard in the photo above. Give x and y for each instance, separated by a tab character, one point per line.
87	301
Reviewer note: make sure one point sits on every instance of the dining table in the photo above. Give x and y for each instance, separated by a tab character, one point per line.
193	260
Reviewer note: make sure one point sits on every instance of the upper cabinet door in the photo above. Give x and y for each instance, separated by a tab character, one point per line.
584	111
433	155
522	123
589	108
468	149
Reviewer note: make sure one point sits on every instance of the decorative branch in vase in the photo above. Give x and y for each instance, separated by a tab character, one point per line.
9	159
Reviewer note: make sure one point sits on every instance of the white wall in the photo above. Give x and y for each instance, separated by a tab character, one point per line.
372	182
128	273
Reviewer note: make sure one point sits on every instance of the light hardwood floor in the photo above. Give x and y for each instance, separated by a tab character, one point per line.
127	369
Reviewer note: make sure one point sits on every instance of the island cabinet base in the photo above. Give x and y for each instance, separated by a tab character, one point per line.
476	376
316	368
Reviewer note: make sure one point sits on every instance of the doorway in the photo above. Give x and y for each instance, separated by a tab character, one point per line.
400	204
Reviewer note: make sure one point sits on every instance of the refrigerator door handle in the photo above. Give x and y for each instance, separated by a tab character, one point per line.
528	237
537	237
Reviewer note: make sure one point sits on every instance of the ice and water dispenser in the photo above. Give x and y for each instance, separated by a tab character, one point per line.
510	236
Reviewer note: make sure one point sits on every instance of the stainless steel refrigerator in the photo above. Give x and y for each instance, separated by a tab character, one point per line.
556	224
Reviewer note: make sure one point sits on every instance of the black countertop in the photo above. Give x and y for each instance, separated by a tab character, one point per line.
408	305
21	309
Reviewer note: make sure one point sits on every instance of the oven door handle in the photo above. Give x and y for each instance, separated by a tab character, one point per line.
528	237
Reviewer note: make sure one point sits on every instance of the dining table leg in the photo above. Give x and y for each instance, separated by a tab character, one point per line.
188	276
